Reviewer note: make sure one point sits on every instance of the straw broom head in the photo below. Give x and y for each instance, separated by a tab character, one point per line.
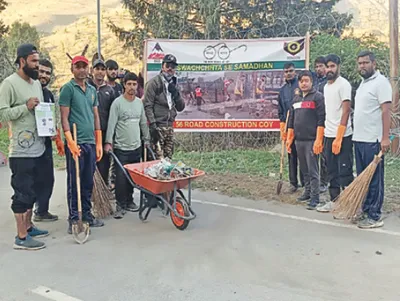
101	197
349	202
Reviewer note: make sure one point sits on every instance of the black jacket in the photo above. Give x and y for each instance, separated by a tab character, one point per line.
285	98
105	96
319	82
306	114
156	104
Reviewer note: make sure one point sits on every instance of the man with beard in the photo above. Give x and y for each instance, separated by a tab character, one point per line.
320	78
285	98
79	105
371	134
112	75
20	93
162	101
105	96
127	122
44	193
338	145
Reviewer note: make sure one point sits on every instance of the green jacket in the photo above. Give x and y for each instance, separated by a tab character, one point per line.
156	104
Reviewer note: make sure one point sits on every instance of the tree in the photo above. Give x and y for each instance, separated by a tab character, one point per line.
234	19
3	27
348	48
18	33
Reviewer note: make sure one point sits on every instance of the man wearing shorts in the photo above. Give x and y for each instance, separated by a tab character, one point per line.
20	93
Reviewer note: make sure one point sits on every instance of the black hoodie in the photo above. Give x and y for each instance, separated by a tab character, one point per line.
106	96
306	114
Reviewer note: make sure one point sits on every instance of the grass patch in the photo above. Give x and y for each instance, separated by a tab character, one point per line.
253	162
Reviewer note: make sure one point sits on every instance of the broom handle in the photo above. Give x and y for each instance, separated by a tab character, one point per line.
145	154
78	177
283	143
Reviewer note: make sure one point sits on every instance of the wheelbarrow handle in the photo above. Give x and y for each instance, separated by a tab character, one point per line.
120	166
153	155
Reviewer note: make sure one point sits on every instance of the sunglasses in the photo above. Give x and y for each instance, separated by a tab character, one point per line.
171	66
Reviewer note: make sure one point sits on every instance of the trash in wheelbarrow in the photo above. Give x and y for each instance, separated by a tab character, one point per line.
166	170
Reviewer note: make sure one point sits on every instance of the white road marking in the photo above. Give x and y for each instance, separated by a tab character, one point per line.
53	295
295	217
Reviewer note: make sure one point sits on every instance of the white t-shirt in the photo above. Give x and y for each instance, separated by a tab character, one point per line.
335	94
371	94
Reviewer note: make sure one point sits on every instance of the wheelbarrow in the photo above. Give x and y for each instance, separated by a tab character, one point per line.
155	192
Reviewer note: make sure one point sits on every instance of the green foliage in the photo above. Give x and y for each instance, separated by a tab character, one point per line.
3	27
238	19
348	48
18	33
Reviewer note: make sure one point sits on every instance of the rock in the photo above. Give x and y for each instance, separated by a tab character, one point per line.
275	102
378	253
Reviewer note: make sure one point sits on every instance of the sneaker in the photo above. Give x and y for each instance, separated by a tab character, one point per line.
47	217
28	244
323	188
304	197
36	232
369	223
327	207
293	189
96	223
119	213
359	217
131	207
313	205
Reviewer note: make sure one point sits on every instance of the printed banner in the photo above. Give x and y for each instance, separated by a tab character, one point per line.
229	85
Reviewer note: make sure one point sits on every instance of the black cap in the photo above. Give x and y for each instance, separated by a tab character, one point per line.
25	50
169	58
99	62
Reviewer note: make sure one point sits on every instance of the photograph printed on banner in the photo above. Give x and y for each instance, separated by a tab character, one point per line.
229	95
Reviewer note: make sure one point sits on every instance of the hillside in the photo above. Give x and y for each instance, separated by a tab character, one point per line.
69	25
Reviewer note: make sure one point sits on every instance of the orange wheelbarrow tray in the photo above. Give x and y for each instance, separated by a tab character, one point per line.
166	194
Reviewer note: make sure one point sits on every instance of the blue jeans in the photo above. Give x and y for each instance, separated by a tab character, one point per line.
364	154
87	167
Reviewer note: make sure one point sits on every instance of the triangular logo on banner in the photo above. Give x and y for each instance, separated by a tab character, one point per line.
157	53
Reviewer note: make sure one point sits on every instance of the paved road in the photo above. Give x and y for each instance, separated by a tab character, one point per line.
235	250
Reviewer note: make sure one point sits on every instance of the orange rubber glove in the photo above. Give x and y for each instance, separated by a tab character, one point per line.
60	144
283	131
319	141
99	145
72	145
337	143
289	141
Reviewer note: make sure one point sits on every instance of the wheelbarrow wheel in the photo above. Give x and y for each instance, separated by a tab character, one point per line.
181	208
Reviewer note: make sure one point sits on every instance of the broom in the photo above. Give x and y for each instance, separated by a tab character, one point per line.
349	202
280	183
101	197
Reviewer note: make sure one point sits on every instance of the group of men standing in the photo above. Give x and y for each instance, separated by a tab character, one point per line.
315	115
108	117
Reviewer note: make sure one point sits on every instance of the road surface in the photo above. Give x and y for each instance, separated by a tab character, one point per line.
236	250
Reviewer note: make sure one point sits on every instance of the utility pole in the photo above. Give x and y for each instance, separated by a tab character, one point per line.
98	29
394	65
